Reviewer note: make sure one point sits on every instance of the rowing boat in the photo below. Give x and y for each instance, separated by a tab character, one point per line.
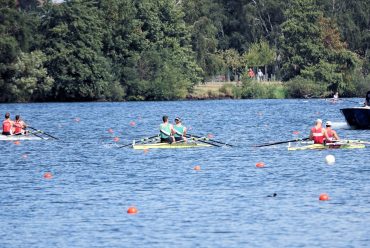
20	137
328	146
169	146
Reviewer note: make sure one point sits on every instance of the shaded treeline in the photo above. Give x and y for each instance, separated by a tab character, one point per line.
159	49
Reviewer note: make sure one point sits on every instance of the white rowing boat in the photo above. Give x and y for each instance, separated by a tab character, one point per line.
21	137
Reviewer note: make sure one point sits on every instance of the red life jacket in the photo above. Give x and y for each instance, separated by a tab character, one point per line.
7	126
17	127
318	137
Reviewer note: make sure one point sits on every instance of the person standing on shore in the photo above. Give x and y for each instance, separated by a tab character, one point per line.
251	73
260	75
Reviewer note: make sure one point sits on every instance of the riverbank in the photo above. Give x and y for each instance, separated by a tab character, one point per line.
238	90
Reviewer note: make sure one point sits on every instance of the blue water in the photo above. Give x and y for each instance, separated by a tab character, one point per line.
225	204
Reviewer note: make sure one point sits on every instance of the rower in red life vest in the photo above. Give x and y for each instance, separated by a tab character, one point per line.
332	134
19	126
318	134
7	125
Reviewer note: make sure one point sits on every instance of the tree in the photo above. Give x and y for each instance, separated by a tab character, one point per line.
73	43
31	81
16	36
260	54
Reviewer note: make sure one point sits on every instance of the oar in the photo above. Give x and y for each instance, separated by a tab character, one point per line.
35	133
215	141
51	136
203	141
280	142
141	140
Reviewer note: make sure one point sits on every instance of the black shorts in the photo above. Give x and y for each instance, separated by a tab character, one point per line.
166	140
179	138
6	133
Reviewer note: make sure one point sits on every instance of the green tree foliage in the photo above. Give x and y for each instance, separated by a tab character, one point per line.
73	43
260	54
312	48
15	36
159	49
204	19
31	81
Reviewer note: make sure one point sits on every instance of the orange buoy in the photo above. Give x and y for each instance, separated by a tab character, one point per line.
116	139
197	168
324	197
17	142
48	175
132	210
110	130
260	165
132	123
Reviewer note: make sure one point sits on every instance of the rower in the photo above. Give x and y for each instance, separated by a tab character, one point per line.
19	126
180	130
7	125
336	96
166	131
367	99
332	134
317	133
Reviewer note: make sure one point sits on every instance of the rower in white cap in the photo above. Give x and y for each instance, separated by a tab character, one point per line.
332	134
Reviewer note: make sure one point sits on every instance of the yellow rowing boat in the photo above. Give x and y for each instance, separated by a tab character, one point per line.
169	146
328	146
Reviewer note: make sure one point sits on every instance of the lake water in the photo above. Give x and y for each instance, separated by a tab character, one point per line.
225	204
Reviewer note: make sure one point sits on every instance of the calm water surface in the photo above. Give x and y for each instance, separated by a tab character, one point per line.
225	204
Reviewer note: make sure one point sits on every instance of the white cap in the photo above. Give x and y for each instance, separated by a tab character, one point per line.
318	121
328	123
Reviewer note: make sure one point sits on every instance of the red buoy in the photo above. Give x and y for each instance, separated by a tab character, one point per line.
132	123
197	168
48	175
110	130
324	197
132	210
260	165
116	139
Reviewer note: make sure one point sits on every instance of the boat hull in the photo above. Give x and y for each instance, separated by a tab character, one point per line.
19	137
169	146
328	146
358	118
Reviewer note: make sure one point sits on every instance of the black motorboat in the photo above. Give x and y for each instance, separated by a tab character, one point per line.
357	117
